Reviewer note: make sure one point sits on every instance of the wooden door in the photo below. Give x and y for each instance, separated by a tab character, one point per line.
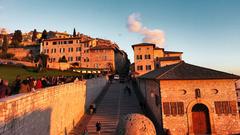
200	118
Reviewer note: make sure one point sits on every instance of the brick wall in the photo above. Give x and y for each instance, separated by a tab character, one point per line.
50	111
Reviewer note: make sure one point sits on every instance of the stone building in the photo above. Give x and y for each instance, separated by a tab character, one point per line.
85	51
188	99
148	57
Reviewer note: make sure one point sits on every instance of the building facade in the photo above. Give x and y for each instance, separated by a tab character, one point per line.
86	52
148	57
188	99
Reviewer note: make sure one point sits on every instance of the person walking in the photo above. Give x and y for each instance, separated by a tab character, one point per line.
85	132
98	127
4	89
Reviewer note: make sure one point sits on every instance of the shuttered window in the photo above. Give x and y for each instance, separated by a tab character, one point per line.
166	108
226	107
173	108
180	108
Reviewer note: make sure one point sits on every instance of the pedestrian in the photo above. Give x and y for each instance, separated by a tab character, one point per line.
39	84
91	110
98	127
85	132
16	85
25	87
125	90
94	108
4	89
129	91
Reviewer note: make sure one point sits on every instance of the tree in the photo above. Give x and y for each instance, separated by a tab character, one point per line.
74	32
63	59
44	34
17	38
5	44
34	35
42	62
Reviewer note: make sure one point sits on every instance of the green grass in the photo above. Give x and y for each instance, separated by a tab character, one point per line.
9	73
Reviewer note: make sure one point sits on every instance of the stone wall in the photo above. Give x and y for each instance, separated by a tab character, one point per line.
94	90
49	111
184	91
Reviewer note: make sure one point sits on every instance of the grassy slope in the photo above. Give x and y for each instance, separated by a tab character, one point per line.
10	73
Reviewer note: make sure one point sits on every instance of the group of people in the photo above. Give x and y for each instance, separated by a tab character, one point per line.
30	84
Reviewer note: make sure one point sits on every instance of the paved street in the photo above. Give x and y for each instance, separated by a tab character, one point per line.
114	104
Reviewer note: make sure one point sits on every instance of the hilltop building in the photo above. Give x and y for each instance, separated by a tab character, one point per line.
148	57
86	52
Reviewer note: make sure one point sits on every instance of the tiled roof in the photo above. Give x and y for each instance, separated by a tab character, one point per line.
101	47
143	44
185	71
169	58
172	52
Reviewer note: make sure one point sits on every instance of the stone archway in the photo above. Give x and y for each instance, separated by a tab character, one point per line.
200	119
189	115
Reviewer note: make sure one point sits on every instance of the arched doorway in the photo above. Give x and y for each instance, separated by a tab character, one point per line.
200	119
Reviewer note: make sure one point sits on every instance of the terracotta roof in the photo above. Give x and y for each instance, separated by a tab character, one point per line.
169	58
101	47
143	44
158	48
185	71
172	52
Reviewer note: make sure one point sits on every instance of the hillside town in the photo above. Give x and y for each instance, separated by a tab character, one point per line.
119	67
200	94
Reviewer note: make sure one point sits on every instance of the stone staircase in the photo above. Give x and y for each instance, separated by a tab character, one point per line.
114	104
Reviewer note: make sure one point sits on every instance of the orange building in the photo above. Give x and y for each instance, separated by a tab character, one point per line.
86	52
148	57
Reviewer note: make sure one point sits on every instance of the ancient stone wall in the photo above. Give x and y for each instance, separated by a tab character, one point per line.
49	111
94	88
211	90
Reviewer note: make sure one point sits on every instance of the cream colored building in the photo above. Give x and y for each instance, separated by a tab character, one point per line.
148	57
188	99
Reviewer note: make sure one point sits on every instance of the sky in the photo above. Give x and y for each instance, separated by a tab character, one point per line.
207	31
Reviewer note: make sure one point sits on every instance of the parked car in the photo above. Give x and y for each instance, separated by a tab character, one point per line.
116	77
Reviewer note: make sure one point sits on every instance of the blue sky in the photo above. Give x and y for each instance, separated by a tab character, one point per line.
207	31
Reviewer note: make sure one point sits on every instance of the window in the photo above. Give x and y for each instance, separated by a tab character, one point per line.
139	67
139	57
78	49
173	108
197	93
46	43
63	49
86	60
78	58
65	42
54	43
148	56
148	67
70	58
70	49
225	107
70	42
86	45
